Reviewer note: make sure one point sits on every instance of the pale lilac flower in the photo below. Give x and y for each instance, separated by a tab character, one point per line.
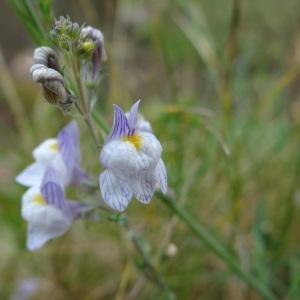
132	161
61	153
89	34
46	210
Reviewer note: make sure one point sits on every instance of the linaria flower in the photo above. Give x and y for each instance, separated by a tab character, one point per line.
46	210
45	70
92	40
132	160
61	153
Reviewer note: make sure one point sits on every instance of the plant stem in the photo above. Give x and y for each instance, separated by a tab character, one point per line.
150	271
100	121
202	234
88	123
85	111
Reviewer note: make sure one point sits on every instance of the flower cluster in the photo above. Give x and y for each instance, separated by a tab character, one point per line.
88	42
131	154
44	207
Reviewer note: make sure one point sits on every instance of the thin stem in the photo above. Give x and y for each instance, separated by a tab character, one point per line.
88	123
151	273
202	234
79	109
100	121
85	112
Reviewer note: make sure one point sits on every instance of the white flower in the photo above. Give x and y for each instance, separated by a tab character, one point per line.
61	153
46	210
132	161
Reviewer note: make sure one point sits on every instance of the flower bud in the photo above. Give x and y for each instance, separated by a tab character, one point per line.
47	57
45	70
65	32
92	44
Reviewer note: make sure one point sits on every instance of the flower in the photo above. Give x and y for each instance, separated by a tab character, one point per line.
61	153
132	160
92	41
45	70
46	210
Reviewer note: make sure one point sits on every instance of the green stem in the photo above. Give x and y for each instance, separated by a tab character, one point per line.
100	121
203	235
85	111
150	271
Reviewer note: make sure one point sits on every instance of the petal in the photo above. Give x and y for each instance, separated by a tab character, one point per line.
120	125
52	190
58	164
32	175
161	176
68	140
143	124
144	188
123	158
45	221
46	151
28	200
115	192
96	59
150	150
133	116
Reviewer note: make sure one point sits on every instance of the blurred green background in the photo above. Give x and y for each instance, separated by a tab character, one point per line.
220	82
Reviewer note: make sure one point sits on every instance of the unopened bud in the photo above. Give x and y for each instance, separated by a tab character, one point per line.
65	32
92	43
47	57
46	71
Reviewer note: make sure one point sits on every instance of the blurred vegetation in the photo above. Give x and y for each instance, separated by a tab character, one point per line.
220	83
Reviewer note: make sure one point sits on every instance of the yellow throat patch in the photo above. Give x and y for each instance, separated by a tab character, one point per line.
54	146
38	199
135	140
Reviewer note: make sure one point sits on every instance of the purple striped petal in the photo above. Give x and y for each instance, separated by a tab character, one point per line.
133	116
68	140
120	124
52	190
96	59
